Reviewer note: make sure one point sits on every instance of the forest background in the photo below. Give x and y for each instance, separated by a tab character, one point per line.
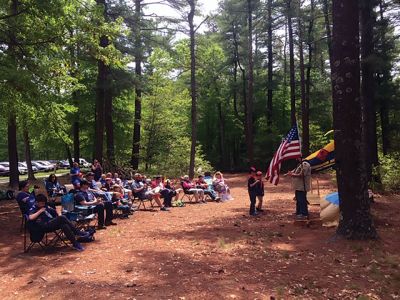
161	93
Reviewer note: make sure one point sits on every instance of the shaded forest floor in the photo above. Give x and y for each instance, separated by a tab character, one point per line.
210	251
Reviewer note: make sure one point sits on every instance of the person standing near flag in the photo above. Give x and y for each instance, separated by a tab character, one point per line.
301	182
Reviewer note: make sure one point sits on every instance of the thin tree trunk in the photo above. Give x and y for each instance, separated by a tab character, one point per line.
12	150
100	96
221	123
69	155
138	88
326	9
250	83
304	112
109	125
368	85
193	91
28	157
291	67
76	130
270	68
356	221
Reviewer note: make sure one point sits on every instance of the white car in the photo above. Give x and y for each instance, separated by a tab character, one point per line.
83	162
23	164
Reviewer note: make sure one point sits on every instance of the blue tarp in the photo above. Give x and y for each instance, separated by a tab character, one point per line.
333	198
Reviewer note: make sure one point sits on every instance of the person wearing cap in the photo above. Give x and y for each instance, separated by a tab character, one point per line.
259	191
301	183
48	220
86	198
252	189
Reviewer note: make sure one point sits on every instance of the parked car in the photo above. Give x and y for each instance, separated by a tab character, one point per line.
83	163
4	171
22	170
41	167
49	165
63	164
23	164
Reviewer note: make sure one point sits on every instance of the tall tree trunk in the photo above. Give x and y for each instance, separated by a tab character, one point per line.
304	112
69	155
109	125
250	83
222	150
326	10
138	88
368	84
291	63
242	70
193	90
76	130
270	67
28	157
356	221
12	118
100	96
12	150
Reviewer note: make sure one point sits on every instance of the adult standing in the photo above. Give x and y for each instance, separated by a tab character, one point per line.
97	170
301	183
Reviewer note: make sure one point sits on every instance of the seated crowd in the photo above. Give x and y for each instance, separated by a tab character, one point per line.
101	194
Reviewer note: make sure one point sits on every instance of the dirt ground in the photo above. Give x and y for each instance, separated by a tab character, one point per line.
210	251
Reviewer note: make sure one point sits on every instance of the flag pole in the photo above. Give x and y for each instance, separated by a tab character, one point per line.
300	142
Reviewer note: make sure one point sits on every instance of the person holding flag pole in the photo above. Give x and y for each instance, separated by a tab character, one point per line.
290	148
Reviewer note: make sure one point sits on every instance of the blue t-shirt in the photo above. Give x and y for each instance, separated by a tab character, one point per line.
84	196
75	173
45	216
25	201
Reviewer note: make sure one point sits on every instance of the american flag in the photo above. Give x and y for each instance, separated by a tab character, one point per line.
288	149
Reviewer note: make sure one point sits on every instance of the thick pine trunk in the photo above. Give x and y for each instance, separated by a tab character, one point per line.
356	221
69	155
291	65
12	150
193	91
250	84
368	84
28	157
326	10
138	89
270	68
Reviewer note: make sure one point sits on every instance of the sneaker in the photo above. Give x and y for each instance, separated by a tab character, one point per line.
259	209
101	227
301	217
78	246
254	214
164	208
204	201
111	223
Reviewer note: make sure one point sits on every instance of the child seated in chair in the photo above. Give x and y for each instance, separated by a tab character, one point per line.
53	187
48	220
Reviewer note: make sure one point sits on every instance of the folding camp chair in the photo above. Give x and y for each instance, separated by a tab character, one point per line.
186	194
80	215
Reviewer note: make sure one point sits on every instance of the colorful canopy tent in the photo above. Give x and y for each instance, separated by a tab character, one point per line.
330	209
323	158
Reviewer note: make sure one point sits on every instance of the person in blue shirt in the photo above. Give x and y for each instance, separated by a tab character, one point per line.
86	198
53	187
48	220
75	172
25	198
